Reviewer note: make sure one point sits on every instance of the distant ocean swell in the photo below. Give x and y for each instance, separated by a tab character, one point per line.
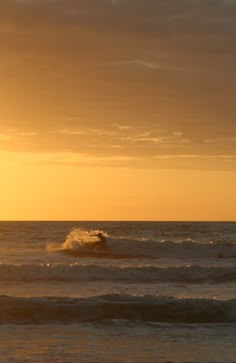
78	244
15	310
77	273
118	249
168	249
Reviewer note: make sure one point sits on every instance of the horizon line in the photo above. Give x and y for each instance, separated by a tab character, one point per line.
117	221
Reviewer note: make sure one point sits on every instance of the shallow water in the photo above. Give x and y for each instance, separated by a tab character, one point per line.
117	341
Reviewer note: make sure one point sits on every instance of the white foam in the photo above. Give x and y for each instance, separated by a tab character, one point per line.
79	242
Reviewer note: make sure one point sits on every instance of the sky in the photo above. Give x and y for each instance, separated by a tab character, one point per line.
118	109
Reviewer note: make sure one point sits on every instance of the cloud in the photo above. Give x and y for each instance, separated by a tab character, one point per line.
185	17
89	131
227	140
138	139
4	137
146	65
141	78
124	127
71	159
27	134
73	132
166	139
196	157
11	134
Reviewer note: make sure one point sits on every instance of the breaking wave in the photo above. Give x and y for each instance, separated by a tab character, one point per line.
79	243
143	273
15	310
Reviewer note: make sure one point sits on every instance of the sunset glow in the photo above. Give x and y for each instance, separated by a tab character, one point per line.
117	110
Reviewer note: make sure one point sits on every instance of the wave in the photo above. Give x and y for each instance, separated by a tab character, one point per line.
79	243
78	273
15	310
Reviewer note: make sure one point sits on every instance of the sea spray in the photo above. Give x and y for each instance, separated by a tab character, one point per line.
79	243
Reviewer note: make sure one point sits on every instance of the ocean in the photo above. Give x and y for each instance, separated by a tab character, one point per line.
160	292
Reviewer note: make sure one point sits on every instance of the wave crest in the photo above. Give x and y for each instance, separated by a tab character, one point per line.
79	273
80	243
133	308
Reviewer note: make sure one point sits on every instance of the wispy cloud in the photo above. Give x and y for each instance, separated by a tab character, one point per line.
76	159
196	157
72	132
5	137
221	140
126	76
27	134
87	131
166	140
124	127
136	139
10	134
150	65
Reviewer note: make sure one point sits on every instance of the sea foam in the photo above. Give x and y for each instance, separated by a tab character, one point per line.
80	243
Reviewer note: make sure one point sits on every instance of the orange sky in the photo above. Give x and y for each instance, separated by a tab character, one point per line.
117	110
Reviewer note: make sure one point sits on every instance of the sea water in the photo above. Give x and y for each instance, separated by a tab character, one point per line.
160	292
